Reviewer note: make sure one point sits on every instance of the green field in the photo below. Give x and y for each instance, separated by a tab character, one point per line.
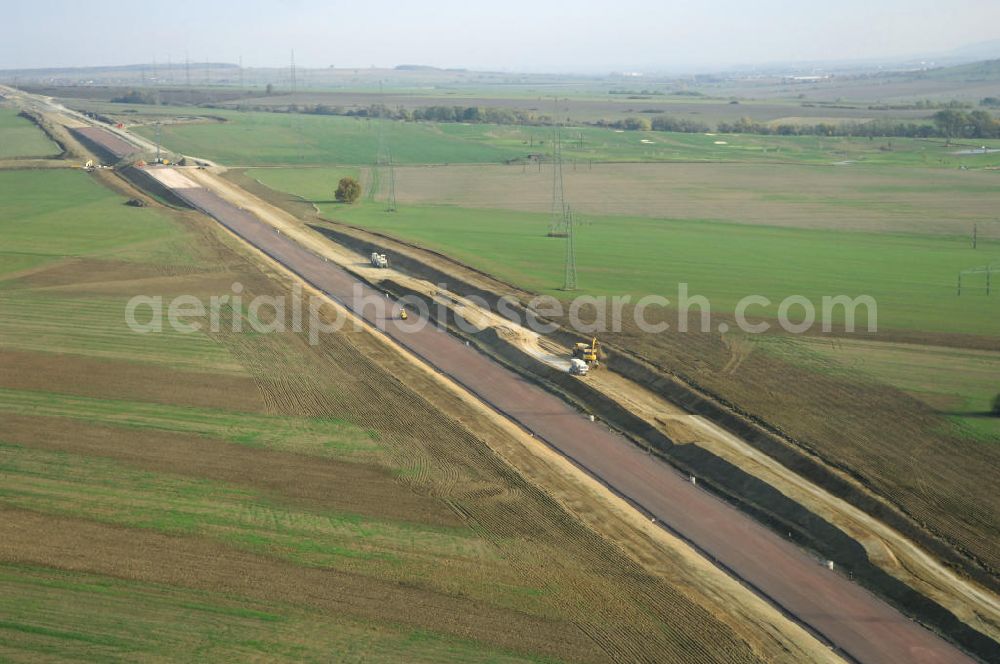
106	619
267	138
255	138
912	277
68	214
20	138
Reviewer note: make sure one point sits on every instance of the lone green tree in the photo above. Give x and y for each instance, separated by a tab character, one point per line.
348	190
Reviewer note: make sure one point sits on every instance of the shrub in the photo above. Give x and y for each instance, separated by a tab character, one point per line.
348	190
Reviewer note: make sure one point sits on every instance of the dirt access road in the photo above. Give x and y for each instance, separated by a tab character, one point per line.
862	626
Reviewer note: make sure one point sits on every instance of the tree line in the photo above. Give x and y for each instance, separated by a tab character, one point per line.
468	114
959	124
952	121
137	97
948	123
660	123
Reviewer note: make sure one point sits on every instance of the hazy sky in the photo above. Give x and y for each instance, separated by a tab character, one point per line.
526	35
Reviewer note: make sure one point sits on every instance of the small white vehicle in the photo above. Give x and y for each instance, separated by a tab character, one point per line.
578	367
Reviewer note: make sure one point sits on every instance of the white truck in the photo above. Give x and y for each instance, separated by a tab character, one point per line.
578	367
379	260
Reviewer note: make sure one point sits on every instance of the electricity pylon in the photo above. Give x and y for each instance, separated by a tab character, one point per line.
559	213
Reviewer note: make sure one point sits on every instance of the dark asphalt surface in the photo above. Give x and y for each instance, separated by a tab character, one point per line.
857	622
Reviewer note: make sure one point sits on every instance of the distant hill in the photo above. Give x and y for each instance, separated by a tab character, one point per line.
988	50
986	70
117	69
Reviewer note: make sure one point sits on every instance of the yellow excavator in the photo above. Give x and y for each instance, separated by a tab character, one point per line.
588	352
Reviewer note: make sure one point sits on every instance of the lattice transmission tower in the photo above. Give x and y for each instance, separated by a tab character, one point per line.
559	214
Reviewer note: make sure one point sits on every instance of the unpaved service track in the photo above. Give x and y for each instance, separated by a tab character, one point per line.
862	626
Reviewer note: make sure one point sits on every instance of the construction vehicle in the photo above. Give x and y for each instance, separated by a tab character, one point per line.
402	313
379	260
588	352
578	367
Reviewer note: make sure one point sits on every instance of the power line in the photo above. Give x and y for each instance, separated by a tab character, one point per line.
987	270
383	157
985	224
559	210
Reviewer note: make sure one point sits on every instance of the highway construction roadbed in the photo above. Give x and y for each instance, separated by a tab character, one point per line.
106	142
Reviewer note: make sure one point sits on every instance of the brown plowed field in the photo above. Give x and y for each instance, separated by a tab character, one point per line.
116	379
37	539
